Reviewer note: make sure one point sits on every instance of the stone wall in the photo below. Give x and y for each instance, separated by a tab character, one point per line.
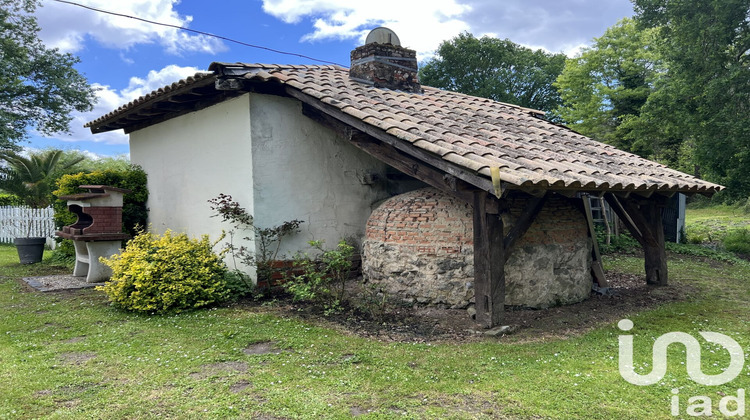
419	246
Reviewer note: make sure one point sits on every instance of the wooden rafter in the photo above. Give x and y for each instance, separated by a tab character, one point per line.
397	159
477	181
524	221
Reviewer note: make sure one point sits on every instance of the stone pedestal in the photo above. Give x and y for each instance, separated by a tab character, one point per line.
87	259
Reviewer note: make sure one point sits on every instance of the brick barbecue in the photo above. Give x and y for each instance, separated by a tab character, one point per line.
98	230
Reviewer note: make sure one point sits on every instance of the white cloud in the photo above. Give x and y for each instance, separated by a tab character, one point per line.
553	25
420	26
110	99
67	27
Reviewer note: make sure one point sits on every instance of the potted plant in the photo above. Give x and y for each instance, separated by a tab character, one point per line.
32	179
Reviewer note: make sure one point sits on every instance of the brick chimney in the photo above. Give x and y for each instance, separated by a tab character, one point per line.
382	62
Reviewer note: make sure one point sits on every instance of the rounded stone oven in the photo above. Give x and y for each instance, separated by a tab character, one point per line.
419	246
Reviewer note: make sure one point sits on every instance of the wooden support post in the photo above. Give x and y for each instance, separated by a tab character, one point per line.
643	220
489	263
654	250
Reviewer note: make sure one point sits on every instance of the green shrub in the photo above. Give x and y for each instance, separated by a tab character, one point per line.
240	284
699	234
737	241
268	240
168	273
10	200
618	243
322	280
702	251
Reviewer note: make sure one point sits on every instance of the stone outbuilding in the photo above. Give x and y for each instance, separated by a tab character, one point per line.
326	145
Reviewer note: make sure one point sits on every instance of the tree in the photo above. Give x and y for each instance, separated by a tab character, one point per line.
33	178
496	69
39	87
706	45
605	88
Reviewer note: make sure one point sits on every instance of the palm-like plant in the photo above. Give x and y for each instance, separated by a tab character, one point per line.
33	178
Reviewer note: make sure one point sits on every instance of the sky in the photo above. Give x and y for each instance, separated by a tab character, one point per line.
125	58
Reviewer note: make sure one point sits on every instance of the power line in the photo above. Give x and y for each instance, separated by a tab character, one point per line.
198	32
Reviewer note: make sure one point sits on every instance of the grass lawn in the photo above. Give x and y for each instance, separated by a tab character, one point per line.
70	355
711	224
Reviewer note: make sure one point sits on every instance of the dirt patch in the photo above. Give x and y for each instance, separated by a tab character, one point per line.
268	417
219	369
77	358
240	386
357	411
628	295
266	347
74	340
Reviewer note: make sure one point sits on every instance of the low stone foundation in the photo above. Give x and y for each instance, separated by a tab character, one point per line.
419	246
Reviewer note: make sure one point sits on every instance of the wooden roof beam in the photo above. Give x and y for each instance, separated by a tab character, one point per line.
395	158
477	181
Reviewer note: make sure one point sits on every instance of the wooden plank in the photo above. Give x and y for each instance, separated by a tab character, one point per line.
596	266
617	207
484	184
398	160
489	264
598	270
481	262
165	115
524	221
409	166
497	259
645	216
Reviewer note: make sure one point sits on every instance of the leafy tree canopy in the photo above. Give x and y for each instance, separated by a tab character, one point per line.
706	46
605	88
497	69
39	87
33	178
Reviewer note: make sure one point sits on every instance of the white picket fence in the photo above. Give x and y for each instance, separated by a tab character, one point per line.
15	222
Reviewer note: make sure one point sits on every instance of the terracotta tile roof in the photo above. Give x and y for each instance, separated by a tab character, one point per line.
471	133
120	114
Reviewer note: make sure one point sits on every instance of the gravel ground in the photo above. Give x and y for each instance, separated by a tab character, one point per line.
58	282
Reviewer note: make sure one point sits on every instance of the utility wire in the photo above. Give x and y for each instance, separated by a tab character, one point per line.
198	32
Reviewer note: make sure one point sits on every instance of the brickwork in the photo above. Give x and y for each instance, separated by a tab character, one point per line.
105	220
419	245
559	222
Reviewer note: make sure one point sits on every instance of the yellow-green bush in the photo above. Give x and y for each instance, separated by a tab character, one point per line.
168	273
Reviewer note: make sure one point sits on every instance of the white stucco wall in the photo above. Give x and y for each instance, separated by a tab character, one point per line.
191	159
274	161
302	170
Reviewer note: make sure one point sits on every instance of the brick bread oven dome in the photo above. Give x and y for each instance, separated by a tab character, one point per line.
419	246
